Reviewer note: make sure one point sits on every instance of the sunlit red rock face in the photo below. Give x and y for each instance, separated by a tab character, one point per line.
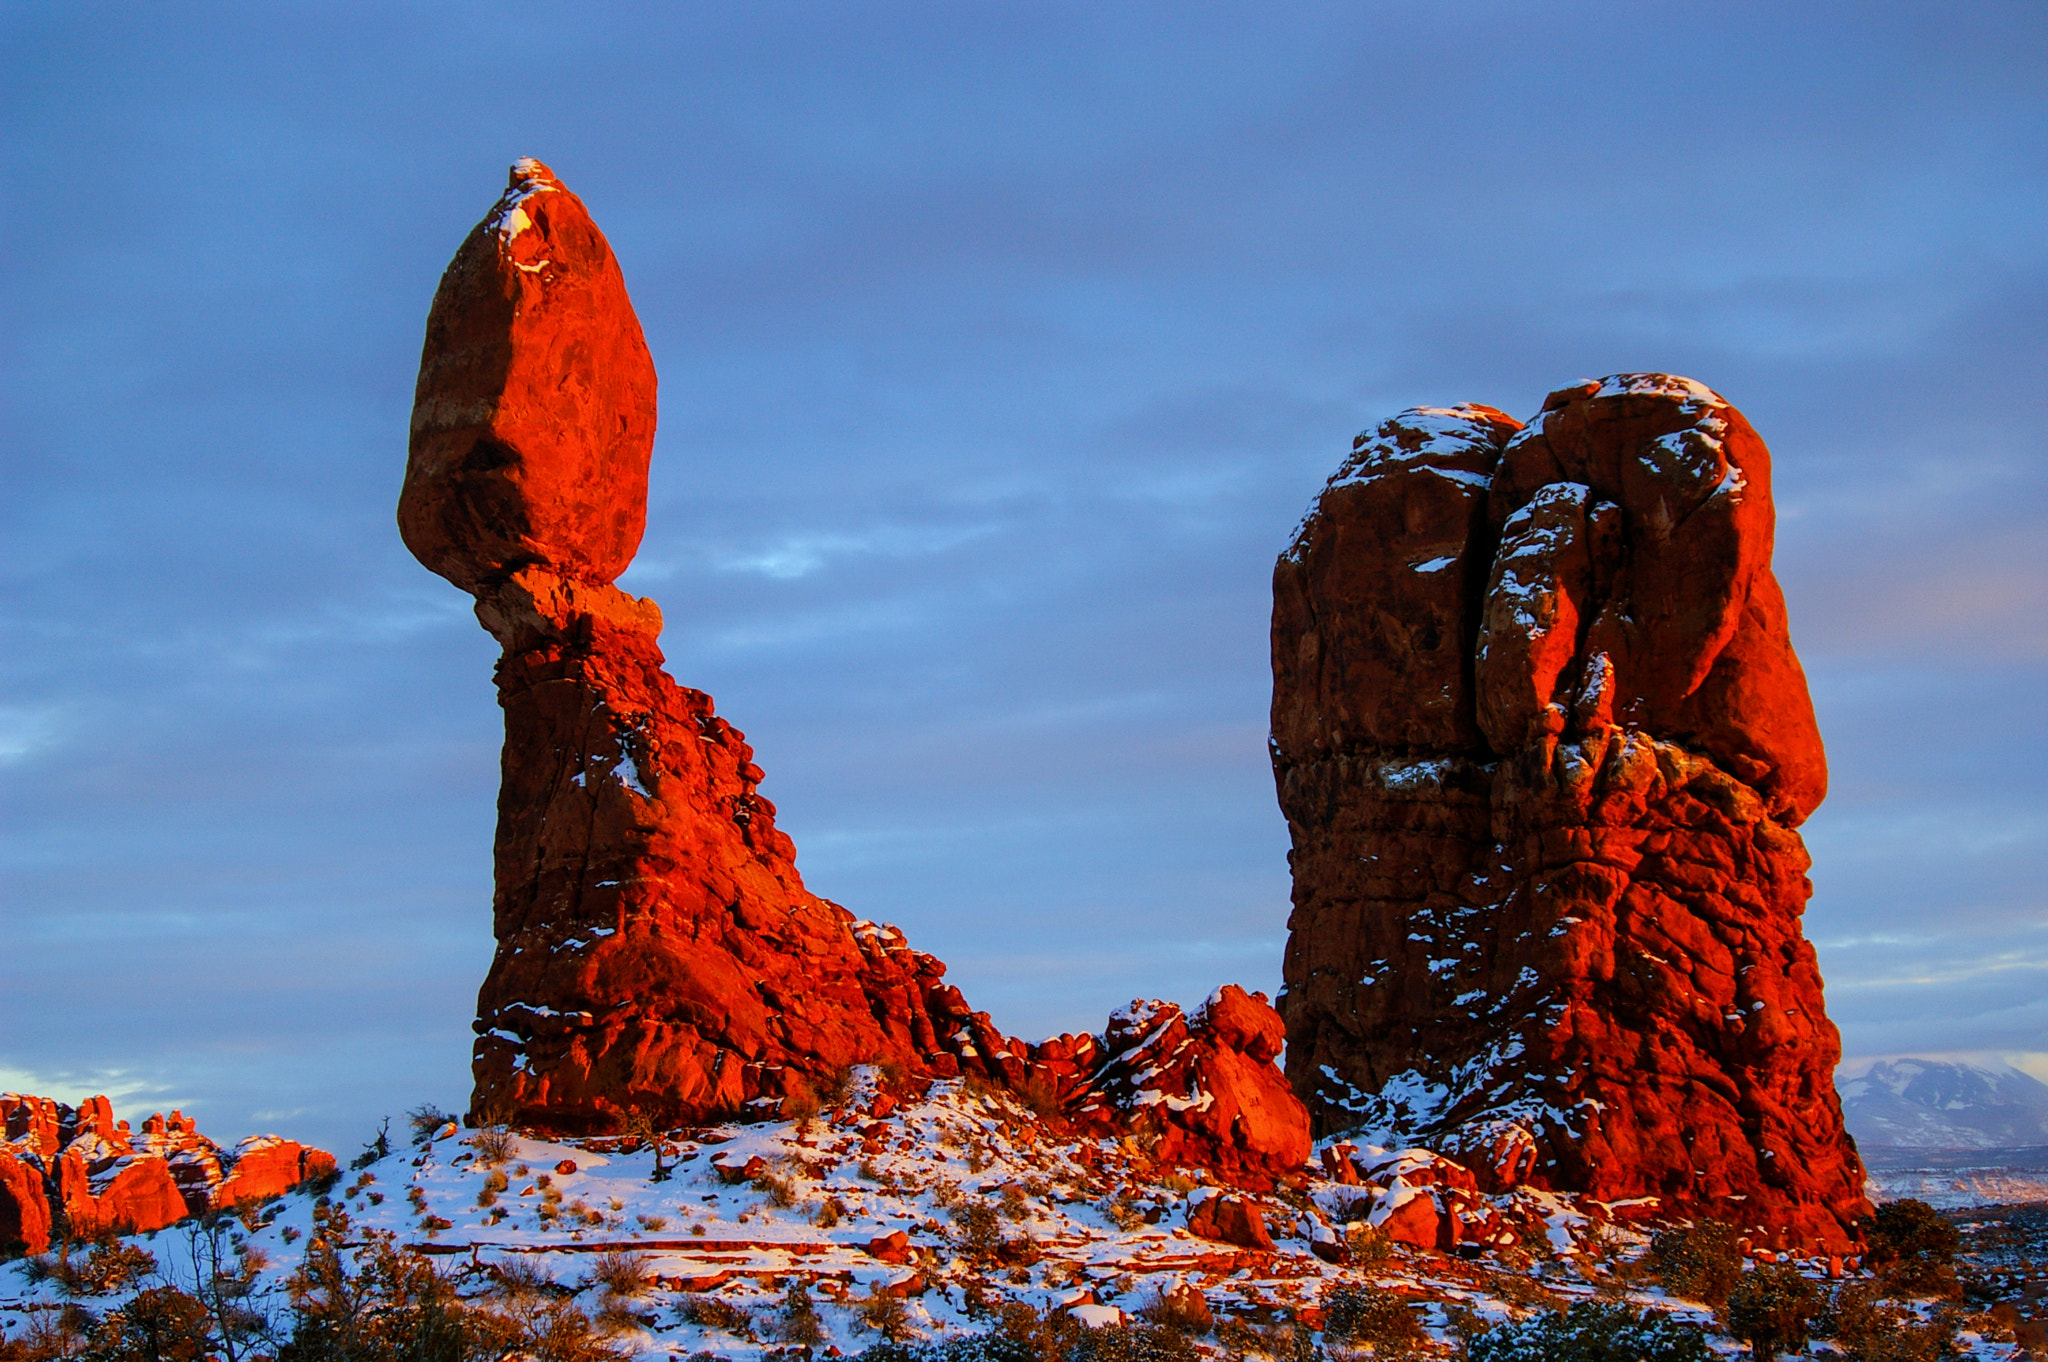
657	948
74	1172
1543	746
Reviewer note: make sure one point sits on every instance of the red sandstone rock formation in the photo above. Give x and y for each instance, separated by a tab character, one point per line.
1543	746
1201	1092
657	948
75	1172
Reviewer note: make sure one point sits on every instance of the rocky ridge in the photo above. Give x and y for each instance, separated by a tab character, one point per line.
75	1173
1543	747
658	956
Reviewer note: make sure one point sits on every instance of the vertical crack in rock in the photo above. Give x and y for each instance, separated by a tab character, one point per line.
656	947
1543	746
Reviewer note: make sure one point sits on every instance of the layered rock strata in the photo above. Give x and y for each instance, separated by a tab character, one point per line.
1543	746
74	1172
657	950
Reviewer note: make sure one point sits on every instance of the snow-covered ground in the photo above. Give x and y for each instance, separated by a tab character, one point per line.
991	1207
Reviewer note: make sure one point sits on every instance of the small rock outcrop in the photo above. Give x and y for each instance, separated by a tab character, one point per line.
657	950
1543	747
74	1172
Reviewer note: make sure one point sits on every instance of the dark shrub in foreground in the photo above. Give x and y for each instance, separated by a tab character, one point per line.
1772	1310
1593	1333
1700	1262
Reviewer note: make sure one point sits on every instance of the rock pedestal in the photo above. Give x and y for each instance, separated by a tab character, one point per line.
656	948
1543	747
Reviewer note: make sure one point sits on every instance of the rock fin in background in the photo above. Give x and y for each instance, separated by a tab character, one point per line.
74	1173
1543	747
656	947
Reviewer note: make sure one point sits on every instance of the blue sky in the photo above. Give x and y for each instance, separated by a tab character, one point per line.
1001	347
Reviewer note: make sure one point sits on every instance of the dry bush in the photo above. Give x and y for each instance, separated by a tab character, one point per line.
652	1222
1870	1328
981	1236
1123	1211
1369	1314
1701	1262
493	1145
881	1313
625	1275
426	1121
777	1190
709	1312
797	1319
835	1089
1184	1311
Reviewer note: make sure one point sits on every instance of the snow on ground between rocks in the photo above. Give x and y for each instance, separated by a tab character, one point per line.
992	1205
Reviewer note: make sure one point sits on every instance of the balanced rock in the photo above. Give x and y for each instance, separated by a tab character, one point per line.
533	420
1543	746
657	951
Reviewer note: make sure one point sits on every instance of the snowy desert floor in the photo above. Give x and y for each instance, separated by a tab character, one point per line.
922	1223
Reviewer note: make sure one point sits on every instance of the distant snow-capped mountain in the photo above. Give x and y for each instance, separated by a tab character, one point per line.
1928	1104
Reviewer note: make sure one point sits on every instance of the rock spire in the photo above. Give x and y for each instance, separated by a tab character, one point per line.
1543	747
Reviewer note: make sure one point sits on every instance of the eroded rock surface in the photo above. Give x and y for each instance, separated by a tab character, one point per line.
74	1172
656	948
1543	747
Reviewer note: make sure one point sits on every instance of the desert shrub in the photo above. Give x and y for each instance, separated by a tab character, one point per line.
973	1348
797	1319
1772	1309
1184	1311
1245	1338
1016	1206
625	1275
110	1267
1133	1343
1368	1314
426	1121
981	1235
829	1213
160	1324
494	1183
1592	1333
881	1313
777	1190
523	1276
1912	1248
835	1088
493	1145
652	1222
1869	1328
1700	1262
709	1312
1123	1211
377	1149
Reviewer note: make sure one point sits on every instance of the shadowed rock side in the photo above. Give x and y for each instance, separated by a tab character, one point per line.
1543	744
657	948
